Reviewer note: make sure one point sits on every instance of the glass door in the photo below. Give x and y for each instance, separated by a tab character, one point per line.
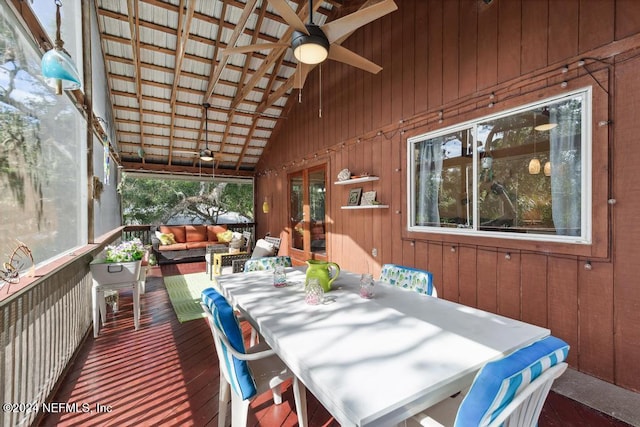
307	190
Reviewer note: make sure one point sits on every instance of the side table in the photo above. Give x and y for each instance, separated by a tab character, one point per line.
222	259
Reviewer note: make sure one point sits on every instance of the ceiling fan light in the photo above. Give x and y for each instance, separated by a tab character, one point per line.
312	48
206	155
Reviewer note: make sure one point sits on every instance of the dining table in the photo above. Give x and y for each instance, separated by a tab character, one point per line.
374	361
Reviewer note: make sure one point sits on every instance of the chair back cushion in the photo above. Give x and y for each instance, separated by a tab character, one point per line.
267	263
409	278
500	381
237	370
263	249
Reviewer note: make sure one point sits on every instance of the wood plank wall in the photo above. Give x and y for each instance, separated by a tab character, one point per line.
450	56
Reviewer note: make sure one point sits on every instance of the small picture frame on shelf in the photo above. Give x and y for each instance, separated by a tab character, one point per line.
354	197
368	198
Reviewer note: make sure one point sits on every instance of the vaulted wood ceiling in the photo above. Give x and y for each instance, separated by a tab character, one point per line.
164	60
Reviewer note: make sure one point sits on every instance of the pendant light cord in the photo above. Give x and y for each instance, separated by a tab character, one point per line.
59	42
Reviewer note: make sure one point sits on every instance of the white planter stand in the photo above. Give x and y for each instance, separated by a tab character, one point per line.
113	277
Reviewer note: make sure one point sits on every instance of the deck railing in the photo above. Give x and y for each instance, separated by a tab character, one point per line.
43	324
41	327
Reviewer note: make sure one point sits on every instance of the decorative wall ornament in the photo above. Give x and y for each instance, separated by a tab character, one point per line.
368	198
97	186
20	260
344	175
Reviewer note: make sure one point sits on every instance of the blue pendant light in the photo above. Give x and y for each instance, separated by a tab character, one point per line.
57	67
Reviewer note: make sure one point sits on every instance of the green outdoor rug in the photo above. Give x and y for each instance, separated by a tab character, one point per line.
184	293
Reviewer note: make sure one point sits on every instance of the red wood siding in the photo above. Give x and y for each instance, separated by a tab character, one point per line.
450	56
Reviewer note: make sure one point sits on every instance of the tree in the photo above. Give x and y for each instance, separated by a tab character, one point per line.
152	201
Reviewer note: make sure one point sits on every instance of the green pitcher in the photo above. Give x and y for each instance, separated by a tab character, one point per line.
321	270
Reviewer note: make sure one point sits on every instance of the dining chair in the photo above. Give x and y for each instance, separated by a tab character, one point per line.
272	242
410	278
510	391
245	373
266	263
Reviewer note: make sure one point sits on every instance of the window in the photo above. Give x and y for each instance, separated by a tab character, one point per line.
524	173
43	184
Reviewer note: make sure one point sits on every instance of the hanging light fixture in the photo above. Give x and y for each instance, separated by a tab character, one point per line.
206	155
546	124
534	163
534	166
57	67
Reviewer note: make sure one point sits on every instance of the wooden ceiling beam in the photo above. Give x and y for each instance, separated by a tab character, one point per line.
243	76
193	129
178	170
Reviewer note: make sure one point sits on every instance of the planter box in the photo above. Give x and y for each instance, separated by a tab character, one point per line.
106	273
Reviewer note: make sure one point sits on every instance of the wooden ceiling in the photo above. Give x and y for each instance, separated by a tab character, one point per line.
164	59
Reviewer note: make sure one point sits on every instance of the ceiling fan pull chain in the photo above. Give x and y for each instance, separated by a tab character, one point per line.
320	92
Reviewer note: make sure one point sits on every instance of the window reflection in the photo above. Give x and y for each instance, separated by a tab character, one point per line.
522	170
41	156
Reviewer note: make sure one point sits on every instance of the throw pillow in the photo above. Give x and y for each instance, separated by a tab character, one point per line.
167	239
225	237
263	249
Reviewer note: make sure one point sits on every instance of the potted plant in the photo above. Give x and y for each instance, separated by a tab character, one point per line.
119	263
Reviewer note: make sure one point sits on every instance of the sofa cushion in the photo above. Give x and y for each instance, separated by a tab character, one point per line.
213	230
225	237
166	239
178	232
196	245
196	233
174	247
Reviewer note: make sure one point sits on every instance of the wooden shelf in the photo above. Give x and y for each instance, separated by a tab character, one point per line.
366	207
357	180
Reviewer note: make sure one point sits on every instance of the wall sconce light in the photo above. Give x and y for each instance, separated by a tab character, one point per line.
57	67
265	205
547	168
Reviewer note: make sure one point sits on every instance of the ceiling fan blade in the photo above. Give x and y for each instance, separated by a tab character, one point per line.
188	152
302	71
289	15
344	55
347	24
252	48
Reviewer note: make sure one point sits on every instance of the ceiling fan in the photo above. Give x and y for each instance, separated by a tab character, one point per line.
313	44
205	154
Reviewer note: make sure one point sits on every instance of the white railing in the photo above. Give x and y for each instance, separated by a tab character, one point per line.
41	327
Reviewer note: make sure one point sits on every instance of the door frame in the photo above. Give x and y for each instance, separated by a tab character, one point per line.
299	256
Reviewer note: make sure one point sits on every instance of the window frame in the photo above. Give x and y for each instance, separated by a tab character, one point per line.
586	147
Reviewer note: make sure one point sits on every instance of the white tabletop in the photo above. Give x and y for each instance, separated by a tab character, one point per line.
376	361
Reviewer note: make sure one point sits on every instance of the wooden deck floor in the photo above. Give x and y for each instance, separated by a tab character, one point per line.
167	374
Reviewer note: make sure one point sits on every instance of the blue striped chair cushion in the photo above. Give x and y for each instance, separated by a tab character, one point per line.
238	371
266	263
498	382
407	277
